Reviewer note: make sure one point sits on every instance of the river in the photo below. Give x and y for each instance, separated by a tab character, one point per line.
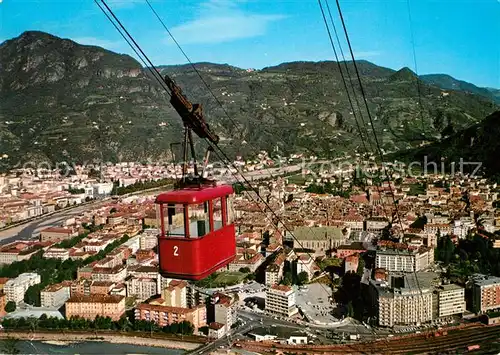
87	347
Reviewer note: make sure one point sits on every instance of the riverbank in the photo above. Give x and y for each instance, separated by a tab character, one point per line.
126	338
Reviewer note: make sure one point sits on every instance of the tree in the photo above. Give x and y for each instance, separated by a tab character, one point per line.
10	346
32	295
302	278
287	278
361	266
350	309
10	307
113	210
245	270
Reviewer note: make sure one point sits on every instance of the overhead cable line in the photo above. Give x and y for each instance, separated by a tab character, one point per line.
358	105
417	79
227	161
152	69
342	76
349	74
235	124
375	135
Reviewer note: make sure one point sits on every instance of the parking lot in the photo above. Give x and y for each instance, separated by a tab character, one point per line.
253	295
315	304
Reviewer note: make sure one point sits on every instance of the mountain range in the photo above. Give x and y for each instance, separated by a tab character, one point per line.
62	101
474	150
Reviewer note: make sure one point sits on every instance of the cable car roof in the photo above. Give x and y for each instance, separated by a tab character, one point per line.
194	195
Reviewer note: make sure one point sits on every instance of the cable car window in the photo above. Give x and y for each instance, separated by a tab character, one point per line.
173	217
199	222
158	218
217	213
230	209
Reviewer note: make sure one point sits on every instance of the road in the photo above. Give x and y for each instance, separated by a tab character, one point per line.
24	231
226	340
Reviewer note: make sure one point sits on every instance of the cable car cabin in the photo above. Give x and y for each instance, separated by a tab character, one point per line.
197	235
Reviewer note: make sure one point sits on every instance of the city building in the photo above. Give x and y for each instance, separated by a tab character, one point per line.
89	307
321	239
16	288
404	260
88	287
450	300
175	294
224	310
305	264
3	302
404	300
18	251
54	296
280	300
376	224
216	330
165	315
114	274
142	288
351	263
273	275
56	253
485	293
53	234
148	239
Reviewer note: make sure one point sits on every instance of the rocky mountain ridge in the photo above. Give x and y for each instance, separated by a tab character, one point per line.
63	101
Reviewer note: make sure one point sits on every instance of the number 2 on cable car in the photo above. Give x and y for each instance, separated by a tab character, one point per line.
176	249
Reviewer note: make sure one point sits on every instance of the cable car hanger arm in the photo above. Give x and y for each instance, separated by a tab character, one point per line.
193	121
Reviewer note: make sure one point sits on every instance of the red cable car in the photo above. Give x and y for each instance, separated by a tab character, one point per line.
197	235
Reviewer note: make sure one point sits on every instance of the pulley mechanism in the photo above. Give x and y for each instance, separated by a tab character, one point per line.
193	121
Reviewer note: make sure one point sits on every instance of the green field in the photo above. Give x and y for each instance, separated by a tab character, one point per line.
298	179
222	279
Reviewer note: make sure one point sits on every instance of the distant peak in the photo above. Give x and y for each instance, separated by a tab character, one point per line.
403	74
35	34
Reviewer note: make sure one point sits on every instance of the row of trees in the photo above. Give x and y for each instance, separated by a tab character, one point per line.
328	188
54	271
474	254
99	323
141	185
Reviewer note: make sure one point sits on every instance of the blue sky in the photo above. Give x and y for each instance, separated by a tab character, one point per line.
457	37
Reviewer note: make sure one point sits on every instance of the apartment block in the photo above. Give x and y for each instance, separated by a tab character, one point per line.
305	264
241	261
54	296
165	315
280	300
148	241
3	302
53	234
403	300
16	288
404	260
114	274
274	273
56	253
89	287
142	288
450	300
376	224
91	306
175	294
485	293
224	310
17	251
